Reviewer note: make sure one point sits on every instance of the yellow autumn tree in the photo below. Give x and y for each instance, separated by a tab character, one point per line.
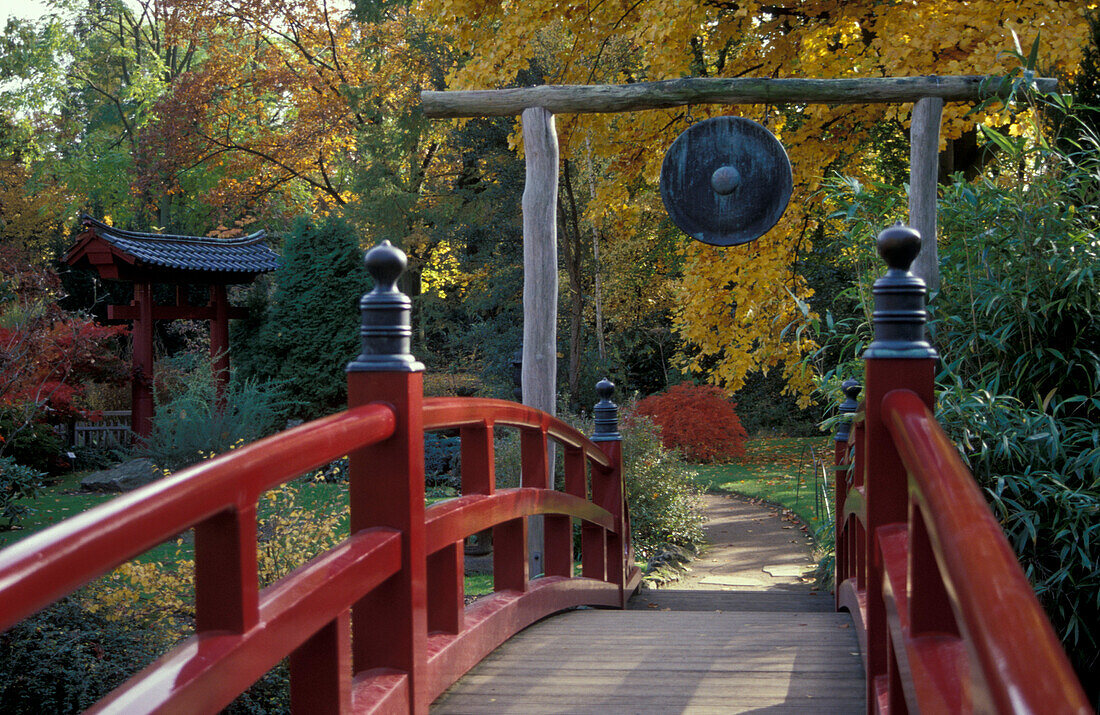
737	309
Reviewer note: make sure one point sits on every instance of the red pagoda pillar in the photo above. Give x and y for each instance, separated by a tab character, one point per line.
219	338
141	420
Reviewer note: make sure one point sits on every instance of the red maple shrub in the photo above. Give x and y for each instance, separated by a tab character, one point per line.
697	420
48	357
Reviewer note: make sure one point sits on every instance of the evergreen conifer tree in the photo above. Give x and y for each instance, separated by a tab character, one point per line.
311	330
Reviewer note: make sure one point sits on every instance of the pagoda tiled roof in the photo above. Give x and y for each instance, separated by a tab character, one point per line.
247	254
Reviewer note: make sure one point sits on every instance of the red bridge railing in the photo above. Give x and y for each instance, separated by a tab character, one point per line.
946	619
379	622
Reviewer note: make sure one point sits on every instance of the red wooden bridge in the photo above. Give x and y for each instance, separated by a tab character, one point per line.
945	618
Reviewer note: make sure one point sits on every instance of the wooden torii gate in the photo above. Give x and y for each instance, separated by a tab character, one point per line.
538	105
148	258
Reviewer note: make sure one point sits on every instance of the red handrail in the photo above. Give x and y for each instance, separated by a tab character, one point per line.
946	619
45	566
452	412
1021	664
461	637
242	632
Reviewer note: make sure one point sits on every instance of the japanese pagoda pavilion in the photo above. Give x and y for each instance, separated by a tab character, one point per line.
147	258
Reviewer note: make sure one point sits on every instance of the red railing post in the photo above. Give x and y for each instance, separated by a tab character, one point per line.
390	624
559	529
899	357
607	491
843	532
321	670
857	548
226	584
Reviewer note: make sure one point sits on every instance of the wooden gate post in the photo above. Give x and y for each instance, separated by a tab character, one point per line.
924	152
389	625
540	282
141	420
898	358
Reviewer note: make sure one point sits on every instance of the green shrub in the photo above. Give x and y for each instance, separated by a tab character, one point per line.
192	425
506	453
665	505
36	444
697	420
441	460
661	493
16	482
99	455
310	332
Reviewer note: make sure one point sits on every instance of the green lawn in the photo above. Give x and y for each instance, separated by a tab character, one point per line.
779	470
55	503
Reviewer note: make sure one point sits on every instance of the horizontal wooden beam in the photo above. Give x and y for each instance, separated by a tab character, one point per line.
581	99
173	312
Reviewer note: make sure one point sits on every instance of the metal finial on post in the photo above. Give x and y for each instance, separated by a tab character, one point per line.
900	315
386	327
606	414
851	389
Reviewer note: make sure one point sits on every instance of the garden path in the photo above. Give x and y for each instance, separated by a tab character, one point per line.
751	545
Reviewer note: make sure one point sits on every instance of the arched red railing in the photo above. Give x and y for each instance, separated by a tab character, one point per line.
379	621
236	624
946	619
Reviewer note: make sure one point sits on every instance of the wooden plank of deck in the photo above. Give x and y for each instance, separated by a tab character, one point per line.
775	601
664	661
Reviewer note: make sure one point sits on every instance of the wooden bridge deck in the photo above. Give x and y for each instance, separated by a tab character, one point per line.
685	651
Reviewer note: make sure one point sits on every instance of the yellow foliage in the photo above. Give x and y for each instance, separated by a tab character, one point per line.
443	270
160	596
737	307
29	213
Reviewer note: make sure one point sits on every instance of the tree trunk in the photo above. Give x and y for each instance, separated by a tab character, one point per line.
596	290
573	268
